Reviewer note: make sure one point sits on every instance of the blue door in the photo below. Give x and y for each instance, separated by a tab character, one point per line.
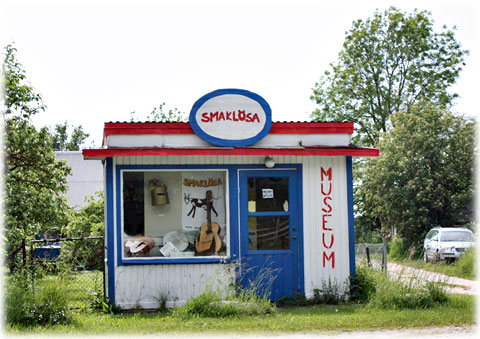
269	232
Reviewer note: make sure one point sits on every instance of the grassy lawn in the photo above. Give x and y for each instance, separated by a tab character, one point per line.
315	319
79	286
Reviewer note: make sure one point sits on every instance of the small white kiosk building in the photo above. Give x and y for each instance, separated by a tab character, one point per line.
182	200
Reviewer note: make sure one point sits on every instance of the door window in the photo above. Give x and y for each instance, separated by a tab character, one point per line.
268	233
268	213
267	194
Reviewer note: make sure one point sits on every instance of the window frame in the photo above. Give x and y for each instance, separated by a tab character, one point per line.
229	237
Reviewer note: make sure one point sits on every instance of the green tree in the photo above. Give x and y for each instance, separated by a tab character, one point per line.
35	181
63	142
424	175
88	221
388	64
158	114
19	97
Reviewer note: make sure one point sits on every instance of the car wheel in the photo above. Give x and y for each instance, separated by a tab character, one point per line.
425	256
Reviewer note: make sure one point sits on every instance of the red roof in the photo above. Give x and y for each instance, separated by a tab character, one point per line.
325	151
131	128
184	128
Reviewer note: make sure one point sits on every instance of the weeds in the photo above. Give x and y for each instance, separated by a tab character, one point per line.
95	298
464	267
331	293
27	306
223	296
401	291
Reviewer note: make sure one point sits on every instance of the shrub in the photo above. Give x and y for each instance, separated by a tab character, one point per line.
362	285
400	249
297	299
397	249
465	266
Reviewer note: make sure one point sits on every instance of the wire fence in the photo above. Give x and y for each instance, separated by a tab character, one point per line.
77	263
372	254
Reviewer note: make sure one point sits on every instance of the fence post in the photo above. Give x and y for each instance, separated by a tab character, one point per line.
385	255
367	251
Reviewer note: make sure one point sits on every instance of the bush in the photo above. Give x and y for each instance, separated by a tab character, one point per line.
297	299
400	249
46	305
397	249
465	266
362	285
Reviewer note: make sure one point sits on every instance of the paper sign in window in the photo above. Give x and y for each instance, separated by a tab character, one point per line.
267	193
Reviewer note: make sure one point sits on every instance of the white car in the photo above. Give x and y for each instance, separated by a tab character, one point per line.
447	243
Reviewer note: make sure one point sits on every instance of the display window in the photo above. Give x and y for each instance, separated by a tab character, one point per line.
174	213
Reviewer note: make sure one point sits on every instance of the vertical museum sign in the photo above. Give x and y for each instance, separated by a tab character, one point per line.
328	238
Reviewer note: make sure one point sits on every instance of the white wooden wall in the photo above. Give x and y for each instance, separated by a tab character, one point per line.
146	285
315	274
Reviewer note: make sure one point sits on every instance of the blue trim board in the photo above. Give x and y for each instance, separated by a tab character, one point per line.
301	254
110	231
227	142
234	227
351	225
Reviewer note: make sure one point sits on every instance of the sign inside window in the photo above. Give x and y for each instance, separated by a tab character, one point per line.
267	193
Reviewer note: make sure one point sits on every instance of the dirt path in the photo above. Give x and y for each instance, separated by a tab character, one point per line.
454	285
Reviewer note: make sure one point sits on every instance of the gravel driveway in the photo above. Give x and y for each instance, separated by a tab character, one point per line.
453	284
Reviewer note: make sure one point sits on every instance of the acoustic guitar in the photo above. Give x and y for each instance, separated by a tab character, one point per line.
208	241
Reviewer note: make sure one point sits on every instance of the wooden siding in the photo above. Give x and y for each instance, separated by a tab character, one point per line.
315	274
146	285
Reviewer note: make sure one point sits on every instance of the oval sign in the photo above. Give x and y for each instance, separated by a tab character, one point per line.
231	117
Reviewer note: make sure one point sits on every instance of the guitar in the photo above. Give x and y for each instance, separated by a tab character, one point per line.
208	241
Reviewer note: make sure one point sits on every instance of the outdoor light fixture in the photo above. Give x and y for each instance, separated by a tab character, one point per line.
269	163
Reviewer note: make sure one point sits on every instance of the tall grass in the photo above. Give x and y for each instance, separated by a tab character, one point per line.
28	304
224	295
464	267
402	291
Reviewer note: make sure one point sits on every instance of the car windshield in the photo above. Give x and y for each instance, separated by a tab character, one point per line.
456	236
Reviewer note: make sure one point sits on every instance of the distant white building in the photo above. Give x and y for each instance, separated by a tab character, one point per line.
85	179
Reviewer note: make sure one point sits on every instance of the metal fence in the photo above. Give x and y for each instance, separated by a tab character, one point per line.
77	263
372	254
